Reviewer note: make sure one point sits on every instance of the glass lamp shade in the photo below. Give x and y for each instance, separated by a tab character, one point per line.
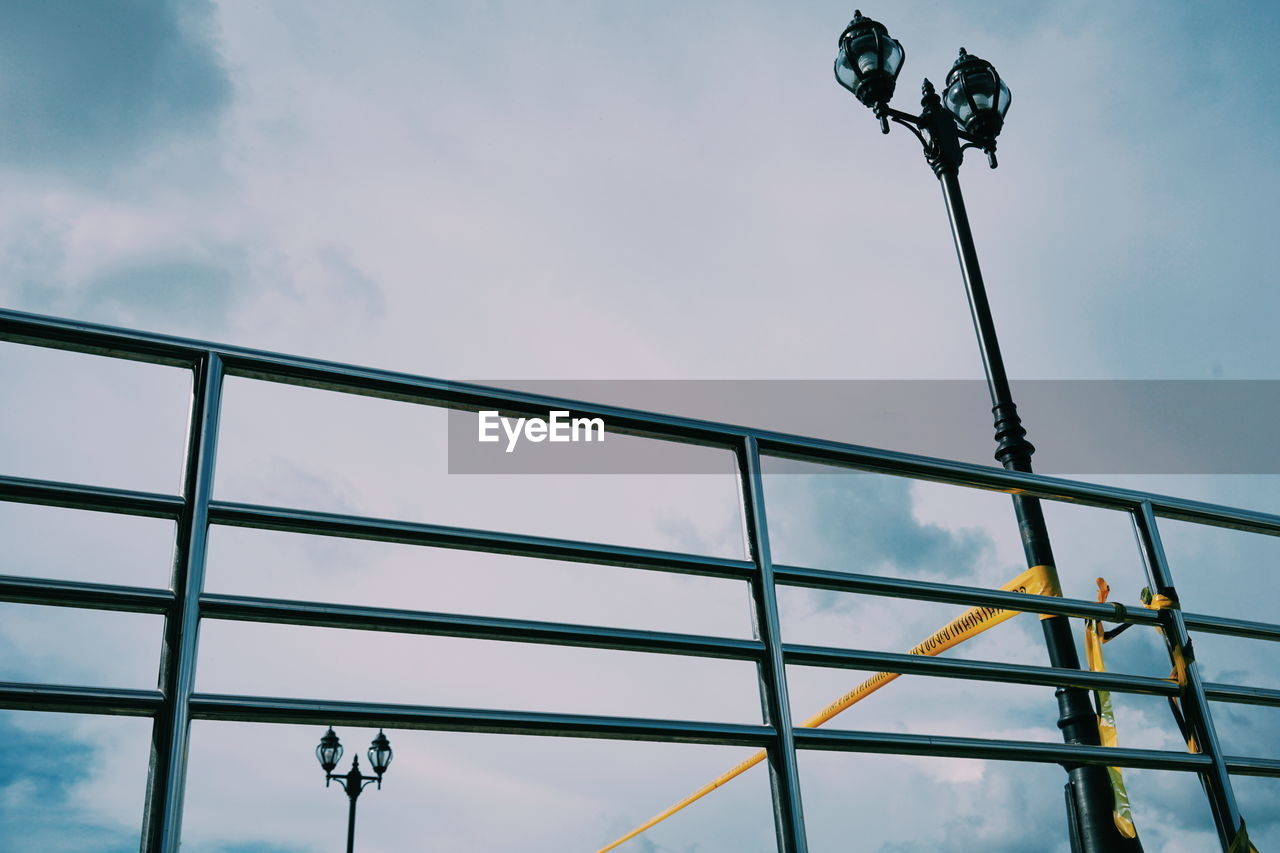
976	96
329	752
380	753
868	61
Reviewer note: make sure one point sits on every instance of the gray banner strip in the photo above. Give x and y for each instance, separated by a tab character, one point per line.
1079	427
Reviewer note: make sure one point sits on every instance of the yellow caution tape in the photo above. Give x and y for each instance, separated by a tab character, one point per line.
1179	673
1177	654
1037	580
1048	577
1094	638
1241	843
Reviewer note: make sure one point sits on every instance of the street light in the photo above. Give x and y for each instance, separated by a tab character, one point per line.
977	100
329	752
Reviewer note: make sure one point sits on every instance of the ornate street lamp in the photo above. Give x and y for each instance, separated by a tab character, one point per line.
977	96
380	754
353	782
976	101
868	62
329	752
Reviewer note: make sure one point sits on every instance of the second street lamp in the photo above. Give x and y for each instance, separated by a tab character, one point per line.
353	782
976	103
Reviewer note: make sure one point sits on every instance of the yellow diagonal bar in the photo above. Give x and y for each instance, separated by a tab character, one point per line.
1038	580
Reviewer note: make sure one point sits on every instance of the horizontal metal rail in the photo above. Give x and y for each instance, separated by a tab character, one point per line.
321	712
1242	695
384	530
893	743
255	709
96	339
261	709
1241	766
19	696
97	596
354	617
246	608
802	449
474	627
976	670
122	343
1232	627
97	498
955	594
439	536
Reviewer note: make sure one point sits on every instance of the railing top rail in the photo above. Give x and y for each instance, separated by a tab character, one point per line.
38	330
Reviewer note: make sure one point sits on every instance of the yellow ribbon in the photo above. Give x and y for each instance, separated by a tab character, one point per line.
1241	843
1094	638
1160	601
1037	580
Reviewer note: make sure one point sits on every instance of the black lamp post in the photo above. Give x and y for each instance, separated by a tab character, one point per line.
329	752
976	100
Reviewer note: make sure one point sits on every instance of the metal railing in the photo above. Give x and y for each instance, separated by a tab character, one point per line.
176	703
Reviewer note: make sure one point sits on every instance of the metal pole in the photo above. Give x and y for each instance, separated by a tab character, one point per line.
1089	785
1217	782
351	820
171	729
784	773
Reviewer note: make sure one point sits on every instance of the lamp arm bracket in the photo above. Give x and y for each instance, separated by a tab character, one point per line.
897	115
988	147
907	119
910	123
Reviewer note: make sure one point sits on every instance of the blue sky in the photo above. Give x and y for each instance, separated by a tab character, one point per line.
577	190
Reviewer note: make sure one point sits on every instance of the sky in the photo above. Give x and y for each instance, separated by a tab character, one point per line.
606	191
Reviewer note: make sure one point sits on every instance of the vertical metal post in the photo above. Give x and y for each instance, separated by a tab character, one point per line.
351	821
1195	705
784	774
170	731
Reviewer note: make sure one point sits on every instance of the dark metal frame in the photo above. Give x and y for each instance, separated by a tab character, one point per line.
175	704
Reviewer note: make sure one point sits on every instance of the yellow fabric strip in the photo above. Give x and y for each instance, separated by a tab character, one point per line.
1241	843
1038	580
1160	601
1094	637
1048	577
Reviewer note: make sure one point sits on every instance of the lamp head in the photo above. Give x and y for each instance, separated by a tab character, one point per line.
329	752
976	96
868	61
380	753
